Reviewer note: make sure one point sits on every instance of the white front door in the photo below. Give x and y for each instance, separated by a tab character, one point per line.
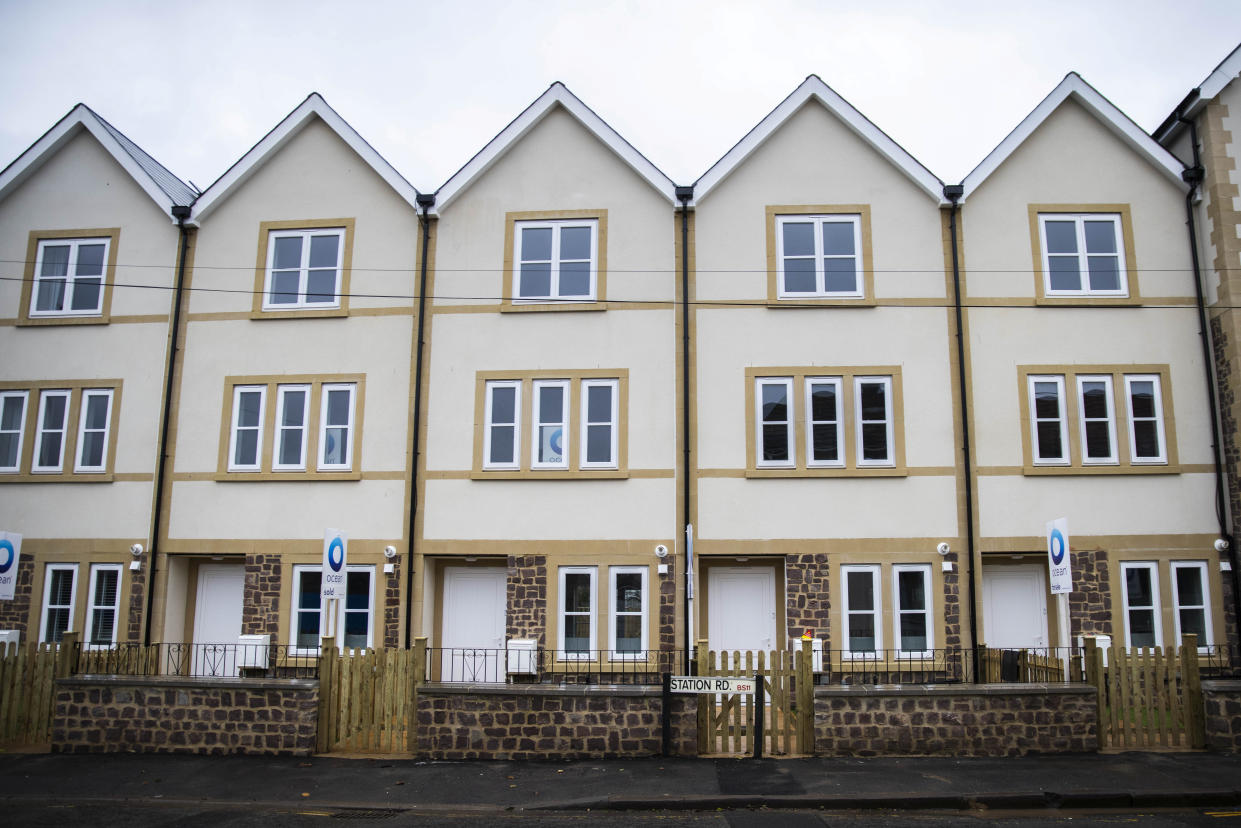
741	611
1014	600
473	623
217	619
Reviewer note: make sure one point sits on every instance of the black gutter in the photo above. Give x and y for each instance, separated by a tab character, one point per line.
425	202
684	195
1193	176
180	213
953	193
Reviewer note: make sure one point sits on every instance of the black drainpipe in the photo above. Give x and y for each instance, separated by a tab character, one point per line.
953	193
180	213
1193	177
425	202
684	195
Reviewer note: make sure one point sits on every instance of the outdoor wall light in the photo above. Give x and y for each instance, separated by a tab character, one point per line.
661	551
943	548
389	552
1221	545
136	550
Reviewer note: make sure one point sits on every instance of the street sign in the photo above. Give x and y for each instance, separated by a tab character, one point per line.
713	684
10	553
335	551
1059	565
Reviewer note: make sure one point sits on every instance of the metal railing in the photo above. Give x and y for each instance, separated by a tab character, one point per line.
475	665
200	660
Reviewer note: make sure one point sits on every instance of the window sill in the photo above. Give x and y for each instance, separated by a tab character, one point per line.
1054	471
285	477
25	321
550	474
822	302
56	477
884	471
300	313
1087	301
551	305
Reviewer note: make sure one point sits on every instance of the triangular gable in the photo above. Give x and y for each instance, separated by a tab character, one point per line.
1229	68
1089	98
556	95
164	188
814	88
313	107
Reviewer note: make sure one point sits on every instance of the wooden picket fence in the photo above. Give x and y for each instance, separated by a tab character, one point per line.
28	689
727	723
1035	666
367	698
1149	698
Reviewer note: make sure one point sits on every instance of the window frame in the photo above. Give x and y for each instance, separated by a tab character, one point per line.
92	607
888	421
846	612
79	467
260	428
1160	423
325	392
760	424
817	220
1079	220
19	433
71	607
612	423
1155	609
590	653
70	279
295	611
306	234
537	423
1113	456
927	611
1066	452
1204	645
811	422
41	431
557	225
489	424
614	614
280	428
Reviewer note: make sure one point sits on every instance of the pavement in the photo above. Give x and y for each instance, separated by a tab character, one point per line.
1114	781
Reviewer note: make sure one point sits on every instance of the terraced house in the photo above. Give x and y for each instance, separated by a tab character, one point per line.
574	418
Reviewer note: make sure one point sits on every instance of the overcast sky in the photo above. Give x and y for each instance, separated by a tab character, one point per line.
429	83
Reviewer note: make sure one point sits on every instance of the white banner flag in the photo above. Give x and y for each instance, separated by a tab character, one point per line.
335	553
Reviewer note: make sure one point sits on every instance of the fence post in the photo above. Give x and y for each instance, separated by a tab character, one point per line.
984	666
759	708
1094	677
328	699
420	678
805	697
1191	684
67	658
705	707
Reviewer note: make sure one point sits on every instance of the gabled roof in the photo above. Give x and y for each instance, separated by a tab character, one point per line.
1199	96
164	188
1083	93
556	95
313	107
814	88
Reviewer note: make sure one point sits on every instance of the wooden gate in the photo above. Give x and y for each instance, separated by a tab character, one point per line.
1148	698
367	698
728	724
28	689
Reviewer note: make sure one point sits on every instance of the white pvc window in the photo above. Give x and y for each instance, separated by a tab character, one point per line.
52	431
556	260
875	435
577	636
1190	598
103	608
246	441
1144	399
303	269
12	429
911	606
824	429
93	428
863	628
627	630
1098	419
600	406
1141	604
819	256
69	277
502	436
292	404
354	627
60	591
774	421
1083	255
1049	438
336	426
550	441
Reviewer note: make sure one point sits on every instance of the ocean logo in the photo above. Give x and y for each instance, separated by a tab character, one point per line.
552	450
10	555
1057	546
336	554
